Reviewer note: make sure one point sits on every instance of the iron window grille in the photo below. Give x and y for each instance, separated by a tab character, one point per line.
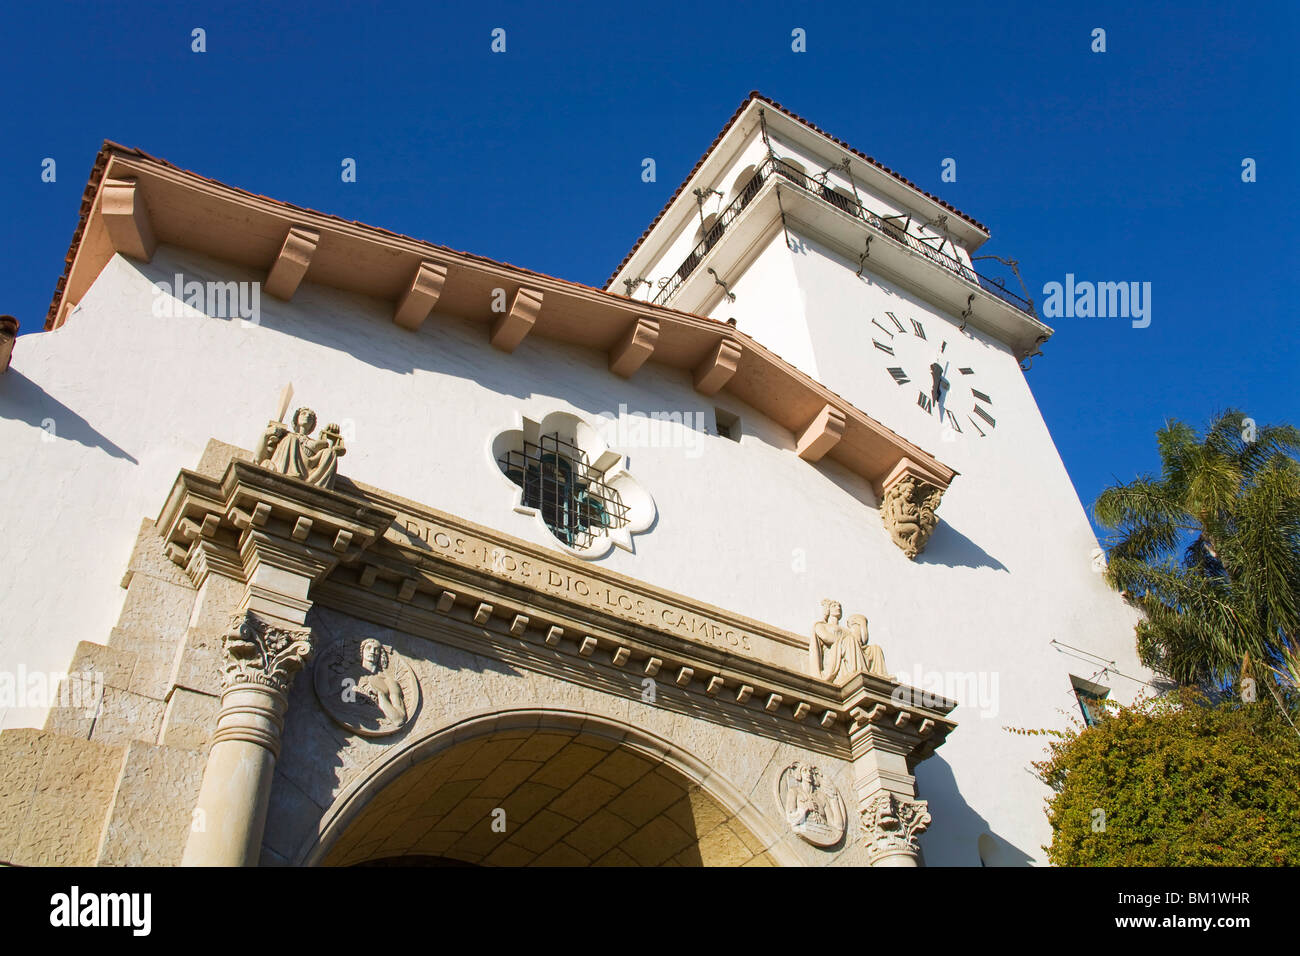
572	497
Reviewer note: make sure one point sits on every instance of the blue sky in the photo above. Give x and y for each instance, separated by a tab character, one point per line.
1123	165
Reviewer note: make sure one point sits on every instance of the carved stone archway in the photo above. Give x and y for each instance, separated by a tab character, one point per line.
561	787
417	632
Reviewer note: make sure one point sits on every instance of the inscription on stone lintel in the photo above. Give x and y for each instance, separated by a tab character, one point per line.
471	551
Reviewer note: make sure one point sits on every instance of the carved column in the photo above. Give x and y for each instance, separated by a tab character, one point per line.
278	536
887	741
260	658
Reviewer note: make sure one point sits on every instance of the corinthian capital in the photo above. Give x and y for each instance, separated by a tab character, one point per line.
891	825
907	509
255	651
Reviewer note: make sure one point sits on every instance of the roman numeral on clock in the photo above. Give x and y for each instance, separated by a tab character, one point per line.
883	347
979	410
918	328
952	420
876	323
893	318
899	376
925	401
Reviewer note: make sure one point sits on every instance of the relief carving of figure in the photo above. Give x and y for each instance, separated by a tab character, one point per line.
813	807
297	454
838	652
366	687
378	684
908	512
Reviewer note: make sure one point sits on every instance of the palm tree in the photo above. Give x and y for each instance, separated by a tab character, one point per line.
1209	550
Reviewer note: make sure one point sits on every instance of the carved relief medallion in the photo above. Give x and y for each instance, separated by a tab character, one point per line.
366	687
811	804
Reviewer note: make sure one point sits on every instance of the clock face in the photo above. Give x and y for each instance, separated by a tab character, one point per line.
946	389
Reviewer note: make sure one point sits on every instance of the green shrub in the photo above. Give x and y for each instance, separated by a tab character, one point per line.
1181	781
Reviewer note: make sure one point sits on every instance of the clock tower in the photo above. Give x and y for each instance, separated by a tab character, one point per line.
867	283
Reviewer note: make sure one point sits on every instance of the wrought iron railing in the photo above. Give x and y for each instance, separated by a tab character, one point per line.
848	204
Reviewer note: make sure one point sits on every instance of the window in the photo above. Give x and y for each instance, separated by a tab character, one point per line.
564	476
572	497
1090	697
728	424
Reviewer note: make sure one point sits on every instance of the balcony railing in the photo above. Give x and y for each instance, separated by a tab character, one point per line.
778	167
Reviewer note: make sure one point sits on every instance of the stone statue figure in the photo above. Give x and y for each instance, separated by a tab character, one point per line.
838	652
367	687
296	454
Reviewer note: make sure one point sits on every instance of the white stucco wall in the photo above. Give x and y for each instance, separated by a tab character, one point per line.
745	525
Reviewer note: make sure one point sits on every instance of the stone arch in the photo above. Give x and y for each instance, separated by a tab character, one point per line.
752	832
741	183
707	225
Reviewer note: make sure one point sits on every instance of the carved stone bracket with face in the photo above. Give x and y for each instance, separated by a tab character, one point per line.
256	651
891	825
907	509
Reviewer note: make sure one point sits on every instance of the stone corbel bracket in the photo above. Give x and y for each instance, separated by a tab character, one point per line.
126	218
291	265
421	295
262	528
909	497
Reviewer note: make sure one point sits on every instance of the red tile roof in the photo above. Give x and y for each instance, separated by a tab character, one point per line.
109	148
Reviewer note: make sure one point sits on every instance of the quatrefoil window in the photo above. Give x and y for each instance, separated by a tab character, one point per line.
579	489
